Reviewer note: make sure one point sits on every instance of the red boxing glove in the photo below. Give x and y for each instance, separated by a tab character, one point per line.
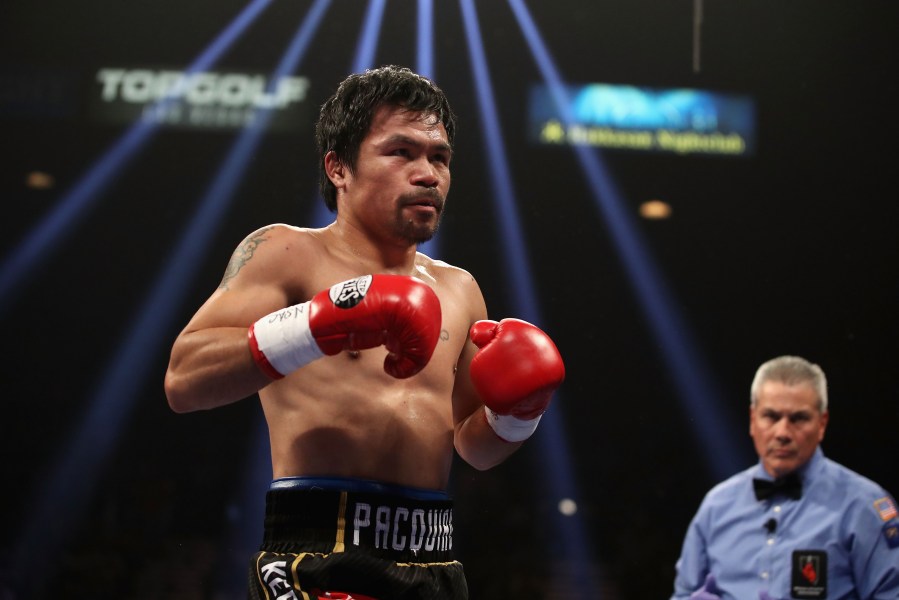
515	372
399	312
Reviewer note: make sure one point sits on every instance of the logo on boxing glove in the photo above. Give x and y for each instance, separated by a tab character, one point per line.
348	294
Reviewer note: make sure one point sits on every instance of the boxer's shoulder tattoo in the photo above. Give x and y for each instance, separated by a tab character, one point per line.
242	255
444	334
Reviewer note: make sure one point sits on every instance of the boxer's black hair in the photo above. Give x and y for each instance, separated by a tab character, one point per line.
345	118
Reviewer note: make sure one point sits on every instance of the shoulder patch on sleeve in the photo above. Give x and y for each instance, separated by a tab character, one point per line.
886	508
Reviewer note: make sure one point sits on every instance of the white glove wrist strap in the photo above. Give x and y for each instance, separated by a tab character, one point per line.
509	428
285	340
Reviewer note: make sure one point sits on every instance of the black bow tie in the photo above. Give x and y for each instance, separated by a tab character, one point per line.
790	486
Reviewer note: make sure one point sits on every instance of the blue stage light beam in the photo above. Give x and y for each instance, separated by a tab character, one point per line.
368	39
424	65
25	259
683	361
575	549
424	56
74	475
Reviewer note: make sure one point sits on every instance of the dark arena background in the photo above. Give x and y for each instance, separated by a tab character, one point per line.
675	190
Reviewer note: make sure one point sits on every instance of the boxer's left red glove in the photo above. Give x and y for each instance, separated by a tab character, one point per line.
516	371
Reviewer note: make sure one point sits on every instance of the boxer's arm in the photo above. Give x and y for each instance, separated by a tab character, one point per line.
211	366
516	372
210	363
475	441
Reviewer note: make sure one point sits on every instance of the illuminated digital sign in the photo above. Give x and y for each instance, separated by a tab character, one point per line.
201	100
680	121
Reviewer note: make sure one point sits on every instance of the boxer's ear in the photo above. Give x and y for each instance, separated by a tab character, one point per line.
335	169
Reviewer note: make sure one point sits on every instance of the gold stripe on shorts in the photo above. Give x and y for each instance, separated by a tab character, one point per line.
341	524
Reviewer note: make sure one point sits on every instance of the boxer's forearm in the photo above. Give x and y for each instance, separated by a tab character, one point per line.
478	444
211	368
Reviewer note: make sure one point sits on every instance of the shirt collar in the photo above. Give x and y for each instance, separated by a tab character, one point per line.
807	472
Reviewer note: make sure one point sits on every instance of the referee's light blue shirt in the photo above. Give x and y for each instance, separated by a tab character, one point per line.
842	515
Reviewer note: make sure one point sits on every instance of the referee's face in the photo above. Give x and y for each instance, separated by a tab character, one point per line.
786	426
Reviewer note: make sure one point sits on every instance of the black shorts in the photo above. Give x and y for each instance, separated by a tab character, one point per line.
356	537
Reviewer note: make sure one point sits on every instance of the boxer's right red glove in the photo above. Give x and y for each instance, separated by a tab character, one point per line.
516	371
399	312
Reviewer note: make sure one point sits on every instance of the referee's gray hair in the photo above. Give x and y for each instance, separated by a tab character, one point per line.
790	370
